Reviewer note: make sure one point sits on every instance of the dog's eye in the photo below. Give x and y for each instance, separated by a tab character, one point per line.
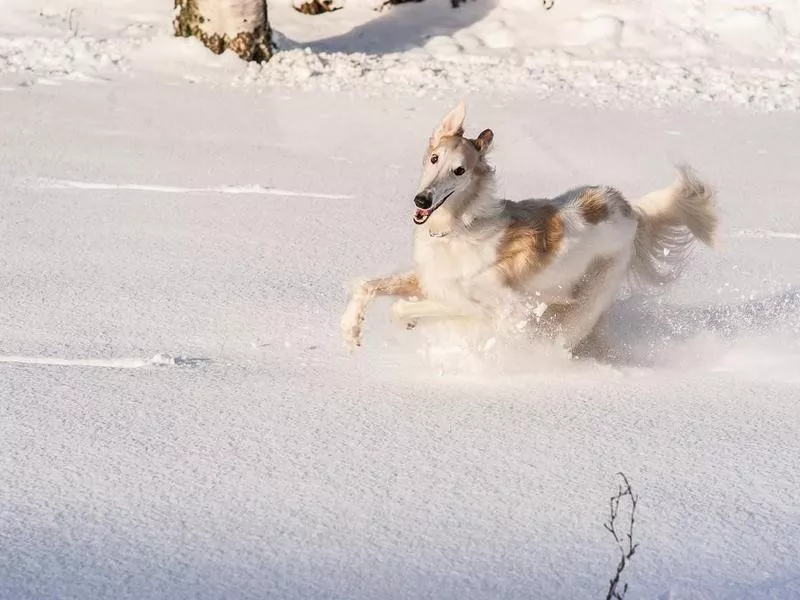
459	171
434	159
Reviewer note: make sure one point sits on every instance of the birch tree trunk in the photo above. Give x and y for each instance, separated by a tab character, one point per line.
239	25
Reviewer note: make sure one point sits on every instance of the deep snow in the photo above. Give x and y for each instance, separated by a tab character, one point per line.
177	211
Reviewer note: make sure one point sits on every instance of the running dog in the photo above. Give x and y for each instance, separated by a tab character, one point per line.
477	256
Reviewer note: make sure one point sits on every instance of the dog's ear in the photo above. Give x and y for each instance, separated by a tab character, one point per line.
484	140
452	124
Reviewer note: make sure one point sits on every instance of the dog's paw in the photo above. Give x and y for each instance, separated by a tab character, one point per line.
351	325
352	338
352	334
399	315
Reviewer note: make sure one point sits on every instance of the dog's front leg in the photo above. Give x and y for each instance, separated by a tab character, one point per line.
364	292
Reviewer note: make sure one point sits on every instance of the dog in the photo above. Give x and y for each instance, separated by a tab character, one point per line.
556	263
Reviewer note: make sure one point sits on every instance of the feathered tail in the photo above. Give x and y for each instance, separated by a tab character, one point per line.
670	220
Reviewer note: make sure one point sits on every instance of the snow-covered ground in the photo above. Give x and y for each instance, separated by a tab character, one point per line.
178	416
595	52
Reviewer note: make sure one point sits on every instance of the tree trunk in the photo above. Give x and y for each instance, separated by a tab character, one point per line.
240	25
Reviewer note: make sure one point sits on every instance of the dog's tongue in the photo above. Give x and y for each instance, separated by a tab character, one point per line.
421	215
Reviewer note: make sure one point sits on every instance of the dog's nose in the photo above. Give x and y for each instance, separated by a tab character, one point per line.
423	201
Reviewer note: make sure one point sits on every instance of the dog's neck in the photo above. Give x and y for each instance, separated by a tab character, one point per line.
475	204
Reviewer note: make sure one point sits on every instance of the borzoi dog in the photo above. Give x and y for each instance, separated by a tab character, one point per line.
476	256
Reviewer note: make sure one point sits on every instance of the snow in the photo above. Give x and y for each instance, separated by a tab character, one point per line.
180	417
588	51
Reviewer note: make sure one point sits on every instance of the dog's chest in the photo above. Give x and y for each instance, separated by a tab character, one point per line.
447	266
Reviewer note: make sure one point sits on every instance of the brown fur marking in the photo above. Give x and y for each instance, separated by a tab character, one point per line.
593	205
451	142
402	285
483	141
530	242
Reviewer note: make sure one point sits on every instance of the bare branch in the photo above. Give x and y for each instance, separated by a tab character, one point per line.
626	551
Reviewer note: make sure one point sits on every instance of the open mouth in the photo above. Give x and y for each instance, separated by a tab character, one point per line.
423	214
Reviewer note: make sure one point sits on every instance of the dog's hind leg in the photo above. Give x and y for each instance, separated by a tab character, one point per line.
584	319
597	344
364	291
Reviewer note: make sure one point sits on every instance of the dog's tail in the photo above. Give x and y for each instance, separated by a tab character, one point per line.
670	220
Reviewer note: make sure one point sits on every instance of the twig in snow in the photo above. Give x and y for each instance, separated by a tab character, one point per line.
73	27
626	545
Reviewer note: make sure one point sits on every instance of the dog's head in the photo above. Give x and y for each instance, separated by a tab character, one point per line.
451	166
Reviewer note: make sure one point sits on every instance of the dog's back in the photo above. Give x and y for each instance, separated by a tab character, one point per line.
550	244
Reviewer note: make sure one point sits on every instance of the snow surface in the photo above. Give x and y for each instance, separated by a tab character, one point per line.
179	417
595	52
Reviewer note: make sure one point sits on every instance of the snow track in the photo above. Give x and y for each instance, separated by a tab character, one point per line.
257	190
758	234
110	363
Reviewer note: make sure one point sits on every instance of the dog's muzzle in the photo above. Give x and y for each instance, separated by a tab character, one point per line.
425	208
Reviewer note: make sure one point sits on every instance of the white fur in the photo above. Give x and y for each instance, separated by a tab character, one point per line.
456	271
581	245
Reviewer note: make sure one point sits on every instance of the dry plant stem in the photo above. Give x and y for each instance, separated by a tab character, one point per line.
626	545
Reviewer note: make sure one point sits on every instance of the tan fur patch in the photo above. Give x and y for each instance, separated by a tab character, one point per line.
451	142
593	205
530	242
402	285
483	141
